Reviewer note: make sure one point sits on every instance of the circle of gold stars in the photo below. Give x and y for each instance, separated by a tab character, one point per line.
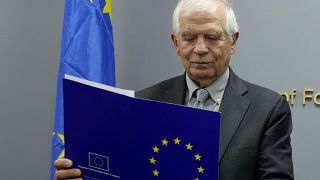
177	142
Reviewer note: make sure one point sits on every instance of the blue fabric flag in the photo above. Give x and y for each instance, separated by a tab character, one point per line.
87	52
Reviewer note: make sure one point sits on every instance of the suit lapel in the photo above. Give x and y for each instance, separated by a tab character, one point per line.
176	93
233	108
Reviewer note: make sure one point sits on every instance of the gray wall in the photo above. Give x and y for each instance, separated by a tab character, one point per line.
30	34
144	52
278	48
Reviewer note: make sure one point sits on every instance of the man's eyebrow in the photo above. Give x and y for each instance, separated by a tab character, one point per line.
187	34
214	33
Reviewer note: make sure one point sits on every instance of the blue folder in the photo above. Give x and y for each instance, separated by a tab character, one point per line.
112	136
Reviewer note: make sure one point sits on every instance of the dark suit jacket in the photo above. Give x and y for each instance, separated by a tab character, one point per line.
255	128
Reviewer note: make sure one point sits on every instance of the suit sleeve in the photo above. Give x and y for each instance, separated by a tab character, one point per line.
275	153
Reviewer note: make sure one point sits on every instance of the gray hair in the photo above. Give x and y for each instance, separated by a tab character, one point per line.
190	6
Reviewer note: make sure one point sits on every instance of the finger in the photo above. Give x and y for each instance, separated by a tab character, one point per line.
67	174
63	163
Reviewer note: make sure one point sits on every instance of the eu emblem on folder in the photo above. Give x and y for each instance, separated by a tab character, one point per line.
114	136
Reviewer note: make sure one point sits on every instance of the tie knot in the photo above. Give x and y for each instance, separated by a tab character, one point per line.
202	95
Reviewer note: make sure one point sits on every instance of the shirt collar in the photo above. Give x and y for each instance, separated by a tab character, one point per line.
215	89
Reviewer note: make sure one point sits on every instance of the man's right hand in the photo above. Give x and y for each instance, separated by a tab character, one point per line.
64	170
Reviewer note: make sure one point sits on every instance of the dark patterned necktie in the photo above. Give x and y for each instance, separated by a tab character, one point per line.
202	96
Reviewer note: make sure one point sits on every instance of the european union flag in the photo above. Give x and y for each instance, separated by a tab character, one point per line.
87	52
134	139
98	161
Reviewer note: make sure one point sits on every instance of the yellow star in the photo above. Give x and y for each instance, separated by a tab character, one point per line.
177	141
196	178
165	142
198	157
156	173
155	149
189	147
200	169
153	160
108	8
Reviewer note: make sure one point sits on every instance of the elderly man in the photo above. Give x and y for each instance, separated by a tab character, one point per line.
256	122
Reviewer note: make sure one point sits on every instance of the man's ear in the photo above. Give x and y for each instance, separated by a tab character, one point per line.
174	39
235	37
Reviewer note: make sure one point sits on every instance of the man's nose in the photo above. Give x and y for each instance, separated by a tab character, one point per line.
201	46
